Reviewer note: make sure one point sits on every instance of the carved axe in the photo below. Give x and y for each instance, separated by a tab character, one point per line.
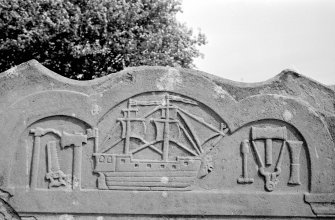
268	134
76	141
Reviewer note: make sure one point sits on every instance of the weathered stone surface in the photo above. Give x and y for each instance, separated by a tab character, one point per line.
154	142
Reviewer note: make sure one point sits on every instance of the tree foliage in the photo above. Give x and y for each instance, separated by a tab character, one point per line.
85	39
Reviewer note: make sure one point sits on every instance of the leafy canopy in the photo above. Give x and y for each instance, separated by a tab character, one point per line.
85	39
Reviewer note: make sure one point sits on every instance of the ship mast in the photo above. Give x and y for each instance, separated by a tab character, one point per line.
166	133
166	108
127	118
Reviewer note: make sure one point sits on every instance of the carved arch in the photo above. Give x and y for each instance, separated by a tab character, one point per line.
43	105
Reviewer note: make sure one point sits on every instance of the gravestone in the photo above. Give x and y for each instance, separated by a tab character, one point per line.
158	142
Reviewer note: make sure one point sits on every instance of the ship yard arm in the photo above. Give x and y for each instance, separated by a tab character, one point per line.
180	99
147	144
200	120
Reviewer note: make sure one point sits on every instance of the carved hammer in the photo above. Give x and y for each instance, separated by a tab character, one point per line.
268	133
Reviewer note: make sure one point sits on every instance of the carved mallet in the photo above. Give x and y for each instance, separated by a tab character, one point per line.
245	150
268	134
295	148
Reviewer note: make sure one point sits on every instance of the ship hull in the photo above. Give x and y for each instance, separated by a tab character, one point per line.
123	173
149	181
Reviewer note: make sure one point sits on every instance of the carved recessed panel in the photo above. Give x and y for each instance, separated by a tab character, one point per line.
157	141
267	135
277	153
52	152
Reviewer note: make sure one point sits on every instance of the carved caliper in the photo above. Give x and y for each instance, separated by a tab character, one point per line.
271	178
268	134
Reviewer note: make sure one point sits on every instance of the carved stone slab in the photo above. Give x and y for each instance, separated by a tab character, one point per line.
156	142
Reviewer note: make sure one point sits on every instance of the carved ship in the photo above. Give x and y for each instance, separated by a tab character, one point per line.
122	171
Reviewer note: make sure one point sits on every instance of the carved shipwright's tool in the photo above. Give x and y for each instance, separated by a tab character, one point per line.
76	141
38	133
268	134
271	178
54	175
93	133
245	150
294	148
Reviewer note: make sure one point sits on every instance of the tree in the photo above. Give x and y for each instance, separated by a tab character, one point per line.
85	39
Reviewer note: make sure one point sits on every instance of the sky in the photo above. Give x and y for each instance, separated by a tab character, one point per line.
252	41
